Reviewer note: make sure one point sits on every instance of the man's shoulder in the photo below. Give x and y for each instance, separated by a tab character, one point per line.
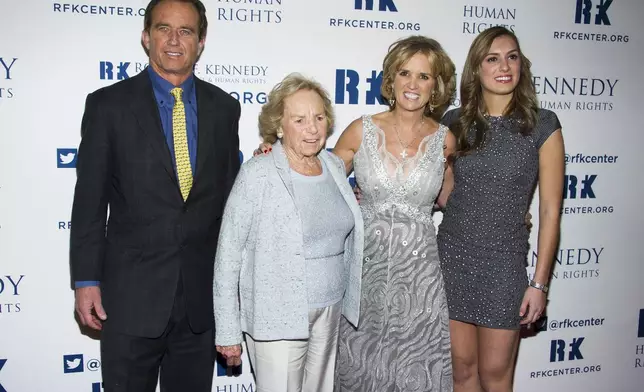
121	90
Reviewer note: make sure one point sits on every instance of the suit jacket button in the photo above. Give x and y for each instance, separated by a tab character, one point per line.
185	209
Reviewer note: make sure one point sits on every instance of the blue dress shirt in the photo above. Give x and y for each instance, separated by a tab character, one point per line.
165	103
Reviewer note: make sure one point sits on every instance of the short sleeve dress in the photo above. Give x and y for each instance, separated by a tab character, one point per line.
483	238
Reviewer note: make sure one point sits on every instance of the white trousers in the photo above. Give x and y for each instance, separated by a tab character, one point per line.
299	365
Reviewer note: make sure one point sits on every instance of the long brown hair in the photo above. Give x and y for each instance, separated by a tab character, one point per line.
523	107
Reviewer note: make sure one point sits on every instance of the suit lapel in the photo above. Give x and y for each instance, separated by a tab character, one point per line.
208	115
283	169
147	114
343	183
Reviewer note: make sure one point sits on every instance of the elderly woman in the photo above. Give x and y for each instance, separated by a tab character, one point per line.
289	258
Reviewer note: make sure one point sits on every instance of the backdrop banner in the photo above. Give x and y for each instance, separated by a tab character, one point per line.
587	60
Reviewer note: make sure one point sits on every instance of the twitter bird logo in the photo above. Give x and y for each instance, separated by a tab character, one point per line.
66	157
73	363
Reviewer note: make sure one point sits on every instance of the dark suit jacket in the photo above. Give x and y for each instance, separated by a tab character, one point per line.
153	238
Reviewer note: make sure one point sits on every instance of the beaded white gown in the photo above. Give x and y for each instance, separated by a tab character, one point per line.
402	342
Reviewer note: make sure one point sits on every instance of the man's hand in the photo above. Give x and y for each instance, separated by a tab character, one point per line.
89	307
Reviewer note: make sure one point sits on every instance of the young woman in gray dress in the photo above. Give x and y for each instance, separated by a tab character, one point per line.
505	145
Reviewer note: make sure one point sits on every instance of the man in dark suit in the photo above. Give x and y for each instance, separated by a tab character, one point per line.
161	151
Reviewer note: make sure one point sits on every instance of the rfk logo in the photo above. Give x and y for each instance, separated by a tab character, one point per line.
108	71
584	12
383	5
348	80
573	188
558	350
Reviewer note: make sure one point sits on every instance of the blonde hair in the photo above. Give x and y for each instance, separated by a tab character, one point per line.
270	117
443	71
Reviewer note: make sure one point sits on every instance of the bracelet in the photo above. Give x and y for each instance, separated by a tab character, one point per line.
538	286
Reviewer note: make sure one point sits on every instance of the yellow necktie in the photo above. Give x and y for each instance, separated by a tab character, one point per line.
180	137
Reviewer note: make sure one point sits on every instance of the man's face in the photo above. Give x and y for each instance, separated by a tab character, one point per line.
173	40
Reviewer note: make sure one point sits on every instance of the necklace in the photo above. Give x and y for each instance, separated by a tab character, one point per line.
404	146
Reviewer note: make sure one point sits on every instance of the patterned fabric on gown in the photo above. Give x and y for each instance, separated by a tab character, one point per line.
402	342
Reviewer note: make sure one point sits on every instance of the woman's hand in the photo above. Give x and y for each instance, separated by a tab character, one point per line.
528	220
357	193
533	305
232	354
264	148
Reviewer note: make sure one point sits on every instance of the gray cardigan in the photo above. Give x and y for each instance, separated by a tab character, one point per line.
259	254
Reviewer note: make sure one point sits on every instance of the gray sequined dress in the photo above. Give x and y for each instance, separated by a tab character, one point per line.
483	238
402	342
